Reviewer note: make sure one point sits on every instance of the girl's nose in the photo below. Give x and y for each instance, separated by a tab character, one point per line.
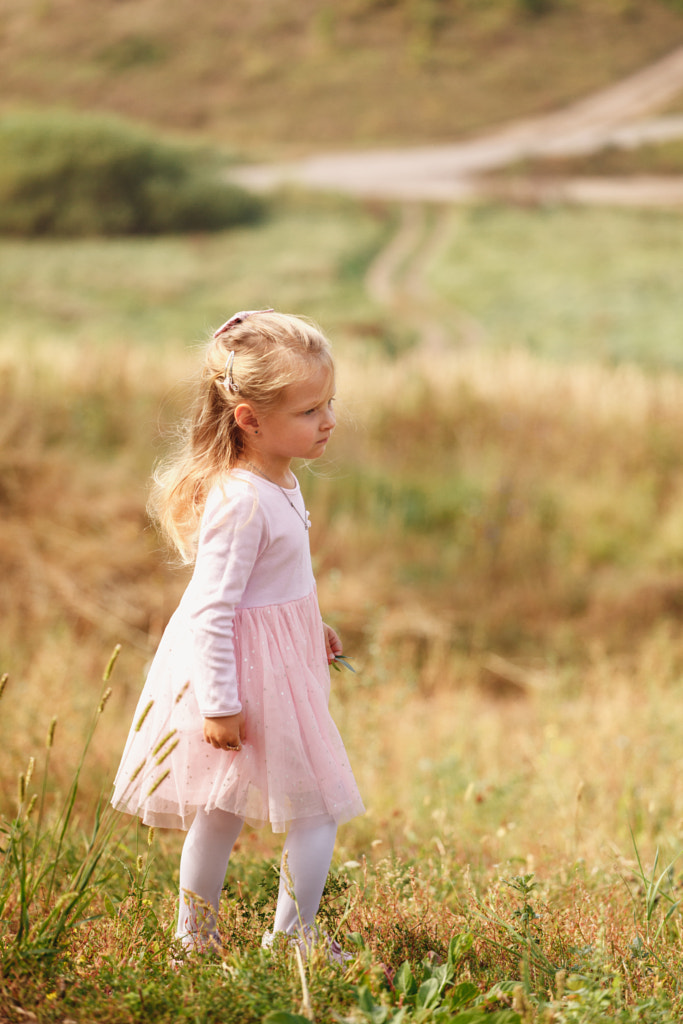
330	419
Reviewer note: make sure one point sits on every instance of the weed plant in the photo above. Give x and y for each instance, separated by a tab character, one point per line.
69	175
86	934
69	934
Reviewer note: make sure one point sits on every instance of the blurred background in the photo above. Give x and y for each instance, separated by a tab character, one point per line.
480	202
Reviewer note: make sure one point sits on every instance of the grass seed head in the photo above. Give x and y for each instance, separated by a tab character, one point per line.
138	770
50	738
105	697
110	664
165	753
182	693
159	781
163	741
143	716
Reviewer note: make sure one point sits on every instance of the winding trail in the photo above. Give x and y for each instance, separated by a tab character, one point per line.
397	279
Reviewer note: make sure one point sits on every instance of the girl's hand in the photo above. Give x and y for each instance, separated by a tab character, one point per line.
333	644
226	733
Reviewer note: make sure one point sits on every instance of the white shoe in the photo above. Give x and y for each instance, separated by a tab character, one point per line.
193	942
307	940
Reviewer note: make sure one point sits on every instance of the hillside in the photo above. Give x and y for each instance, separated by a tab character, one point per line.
277	76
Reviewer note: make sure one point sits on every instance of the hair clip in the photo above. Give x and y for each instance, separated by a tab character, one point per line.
227	373
237	319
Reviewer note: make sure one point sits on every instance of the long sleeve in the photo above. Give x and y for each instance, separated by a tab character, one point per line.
232	534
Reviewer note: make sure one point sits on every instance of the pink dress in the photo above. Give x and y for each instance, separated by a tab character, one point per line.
247	635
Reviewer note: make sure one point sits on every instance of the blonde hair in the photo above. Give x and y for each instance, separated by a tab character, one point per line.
272	351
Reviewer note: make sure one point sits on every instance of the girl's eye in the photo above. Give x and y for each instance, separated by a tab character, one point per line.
309	412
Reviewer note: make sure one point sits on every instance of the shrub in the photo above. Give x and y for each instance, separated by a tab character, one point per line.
70	175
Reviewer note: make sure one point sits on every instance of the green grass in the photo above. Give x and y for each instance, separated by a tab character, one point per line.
305	257
571	284
87	921
574	285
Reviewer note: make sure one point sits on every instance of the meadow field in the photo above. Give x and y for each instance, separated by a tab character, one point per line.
498	537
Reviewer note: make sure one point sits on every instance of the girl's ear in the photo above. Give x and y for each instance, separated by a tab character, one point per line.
246	418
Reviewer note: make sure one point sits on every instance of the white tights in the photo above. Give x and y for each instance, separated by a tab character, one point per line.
306	859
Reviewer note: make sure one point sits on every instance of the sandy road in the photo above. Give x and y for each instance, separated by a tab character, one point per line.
618	115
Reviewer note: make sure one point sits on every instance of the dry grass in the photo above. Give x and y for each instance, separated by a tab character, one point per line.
495	477
578	592
271	75
664	158
476	770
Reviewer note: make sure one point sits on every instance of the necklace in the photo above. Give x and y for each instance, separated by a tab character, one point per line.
306	521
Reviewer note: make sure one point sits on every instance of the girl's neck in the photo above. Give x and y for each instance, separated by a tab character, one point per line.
275	472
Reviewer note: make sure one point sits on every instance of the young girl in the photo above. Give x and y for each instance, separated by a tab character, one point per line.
233	723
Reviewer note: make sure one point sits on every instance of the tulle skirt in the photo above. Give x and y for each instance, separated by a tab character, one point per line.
292	766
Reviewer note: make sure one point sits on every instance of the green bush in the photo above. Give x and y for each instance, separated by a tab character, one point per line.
70	175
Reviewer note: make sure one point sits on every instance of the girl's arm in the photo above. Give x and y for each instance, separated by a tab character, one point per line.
230	537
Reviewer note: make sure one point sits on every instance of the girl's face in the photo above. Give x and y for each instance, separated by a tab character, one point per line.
301	425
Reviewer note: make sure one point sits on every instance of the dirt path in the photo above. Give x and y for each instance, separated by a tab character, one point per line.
448	173
398	279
